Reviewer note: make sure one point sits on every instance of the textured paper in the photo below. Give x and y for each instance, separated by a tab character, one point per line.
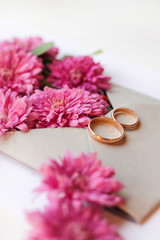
38	145
136	159
119	95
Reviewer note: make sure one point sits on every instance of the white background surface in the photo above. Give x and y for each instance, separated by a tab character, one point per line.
128	32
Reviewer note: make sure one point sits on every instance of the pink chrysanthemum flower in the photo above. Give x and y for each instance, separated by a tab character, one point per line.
65	223
15	112
28	44
19	71
81	179
67	107
81	72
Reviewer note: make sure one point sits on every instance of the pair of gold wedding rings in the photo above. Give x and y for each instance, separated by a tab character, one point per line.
111	130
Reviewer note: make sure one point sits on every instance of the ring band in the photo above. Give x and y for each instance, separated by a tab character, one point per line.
109	121
126	110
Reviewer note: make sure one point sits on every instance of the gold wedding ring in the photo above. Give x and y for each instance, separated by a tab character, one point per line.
131	114
109	123
111	130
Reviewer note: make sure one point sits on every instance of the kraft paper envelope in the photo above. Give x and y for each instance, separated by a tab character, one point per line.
136	159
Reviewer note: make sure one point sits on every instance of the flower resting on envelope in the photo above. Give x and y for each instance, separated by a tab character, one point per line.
15	112
67	107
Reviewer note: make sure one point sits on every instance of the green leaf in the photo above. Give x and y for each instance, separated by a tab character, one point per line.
48	84
43	48
67	56
97	52
109	109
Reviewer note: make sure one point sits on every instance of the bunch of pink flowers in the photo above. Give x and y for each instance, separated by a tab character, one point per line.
63	92
39	90
77	189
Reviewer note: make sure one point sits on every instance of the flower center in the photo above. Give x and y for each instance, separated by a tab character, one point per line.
79	181
5	72
58	103
76	76
78	231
